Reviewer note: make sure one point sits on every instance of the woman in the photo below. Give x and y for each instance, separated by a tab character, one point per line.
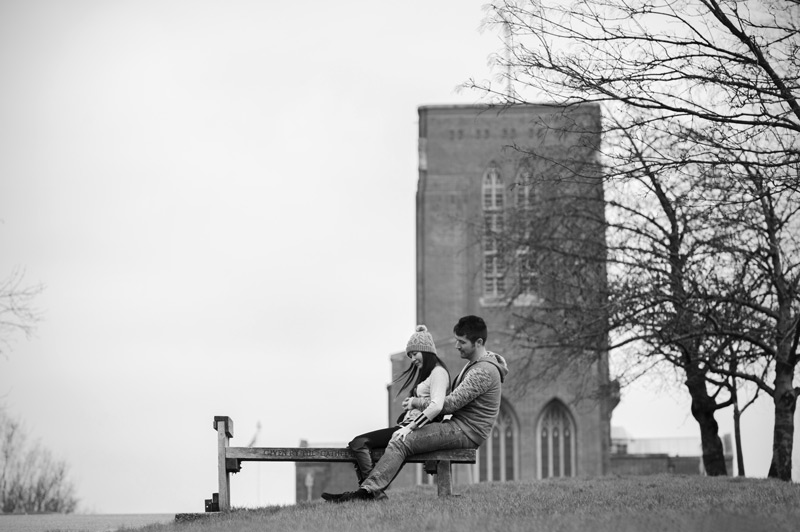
429	378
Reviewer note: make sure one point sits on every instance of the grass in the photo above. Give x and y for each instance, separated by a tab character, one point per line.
609	504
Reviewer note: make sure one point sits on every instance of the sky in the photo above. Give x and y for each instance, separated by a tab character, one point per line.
219	201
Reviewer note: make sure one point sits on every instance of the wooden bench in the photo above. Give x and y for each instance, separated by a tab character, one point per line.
229	460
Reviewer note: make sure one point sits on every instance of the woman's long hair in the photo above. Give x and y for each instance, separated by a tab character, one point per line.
417	375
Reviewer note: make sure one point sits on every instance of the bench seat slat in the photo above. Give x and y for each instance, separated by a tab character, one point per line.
329	454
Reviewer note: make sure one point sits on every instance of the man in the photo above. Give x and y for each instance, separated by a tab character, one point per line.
473	403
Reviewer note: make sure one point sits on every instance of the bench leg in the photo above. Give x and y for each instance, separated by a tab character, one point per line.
444	482
222	470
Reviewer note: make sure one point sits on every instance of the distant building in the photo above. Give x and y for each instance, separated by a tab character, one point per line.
311	479
476	173
649	456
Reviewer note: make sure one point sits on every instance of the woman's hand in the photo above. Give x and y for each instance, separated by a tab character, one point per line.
408	403
401	433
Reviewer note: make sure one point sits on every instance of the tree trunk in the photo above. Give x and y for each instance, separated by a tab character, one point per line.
737	431
703	408
782	439
737	415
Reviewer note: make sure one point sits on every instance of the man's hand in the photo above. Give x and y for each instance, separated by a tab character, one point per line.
401	433
408	403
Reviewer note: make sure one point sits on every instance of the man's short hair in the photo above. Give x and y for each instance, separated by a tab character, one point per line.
472	327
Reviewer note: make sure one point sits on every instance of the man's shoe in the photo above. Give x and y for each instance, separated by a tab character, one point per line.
359	495
335	497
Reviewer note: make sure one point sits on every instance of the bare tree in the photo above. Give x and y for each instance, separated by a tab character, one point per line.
31	480
700	104
660	237
763	295
728	67
17	313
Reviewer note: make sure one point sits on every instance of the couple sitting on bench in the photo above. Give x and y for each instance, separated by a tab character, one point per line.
472	404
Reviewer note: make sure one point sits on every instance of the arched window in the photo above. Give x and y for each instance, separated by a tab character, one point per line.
493	205
523	222
523	186
556	453
497	457
526	269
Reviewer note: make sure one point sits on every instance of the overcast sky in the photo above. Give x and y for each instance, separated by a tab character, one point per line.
219	200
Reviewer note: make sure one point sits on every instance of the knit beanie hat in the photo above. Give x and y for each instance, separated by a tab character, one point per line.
421	341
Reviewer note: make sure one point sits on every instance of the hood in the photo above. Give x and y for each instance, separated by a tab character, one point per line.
498	361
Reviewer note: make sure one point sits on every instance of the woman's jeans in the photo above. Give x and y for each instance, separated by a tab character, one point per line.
363	444
431	437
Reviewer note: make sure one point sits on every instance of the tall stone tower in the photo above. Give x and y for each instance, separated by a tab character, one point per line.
509	227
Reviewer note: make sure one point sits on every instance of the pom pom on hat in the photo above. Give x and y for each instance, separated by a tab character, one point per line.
421	340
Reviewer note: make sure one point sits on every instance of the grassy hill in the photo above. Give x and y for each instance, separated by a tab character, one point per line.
609	504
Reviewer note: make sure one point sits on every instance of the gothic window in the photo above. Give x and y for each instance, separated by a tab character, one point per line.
525	198
525	193
556	454
527	272
493	195
497	457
